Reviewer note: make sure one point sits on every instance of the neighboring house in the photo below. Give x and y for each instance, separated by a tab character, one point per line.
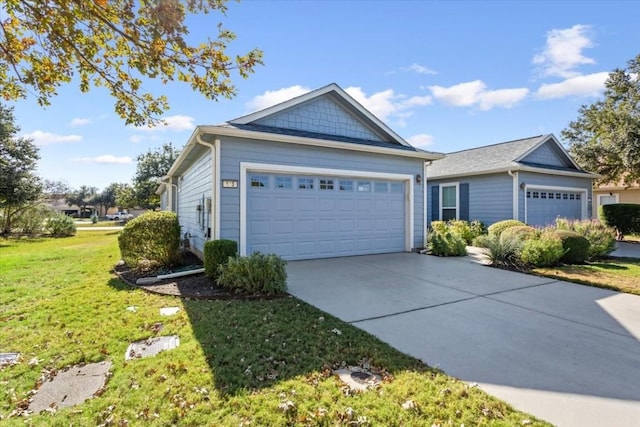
316	176
60	205
534	180
615	193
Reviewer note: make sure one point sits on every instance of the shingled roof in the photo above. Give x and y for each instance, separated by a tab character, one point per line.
496	158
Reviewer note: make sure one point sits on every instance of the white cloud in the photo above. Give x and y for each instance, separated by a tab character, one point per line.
135	139
79	122
387	105
421	140
505	98
563	51
589	85
420	69
107	159
176	123
273	97
41	138
475	93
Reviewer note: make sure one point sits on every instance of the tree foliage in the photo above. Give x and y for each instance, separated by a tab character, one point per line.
606	136
82	197
20	187
153	164
115	44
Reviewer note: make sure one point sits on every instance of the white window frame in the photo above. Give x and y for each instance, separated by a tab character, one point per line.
441	207
600	196
246	167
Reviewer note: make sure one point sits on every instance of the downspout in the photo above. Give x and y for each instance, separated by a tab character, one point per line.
425	207
214	191
516	200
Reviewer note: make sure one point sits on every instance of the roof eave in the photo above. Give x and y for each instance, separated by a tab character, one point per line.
289	139
517	168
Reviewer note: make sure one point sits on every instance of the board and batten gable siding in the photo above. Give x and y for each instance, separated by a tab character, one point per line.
193	186
545	155
321	115
532	179
233	151
490	197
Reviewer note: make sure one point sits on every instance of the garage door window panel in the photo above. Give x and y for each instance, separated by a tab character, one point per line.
284	182
364	187
305	183
259	181
346	185
326	184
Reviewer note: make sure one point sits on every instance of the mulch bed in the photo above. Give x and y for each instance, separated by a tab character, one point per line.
196	286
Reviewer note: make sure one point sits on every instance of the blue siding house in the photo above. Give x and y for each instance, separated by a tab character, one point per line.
534	180
314	177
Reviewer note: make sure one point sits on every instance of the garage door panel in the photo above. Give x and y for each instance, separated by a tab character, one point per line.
543	207
302	223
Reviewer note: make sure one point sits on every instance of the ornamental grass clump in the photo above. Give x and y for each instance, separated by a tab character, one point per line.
544	250
60	225
504	253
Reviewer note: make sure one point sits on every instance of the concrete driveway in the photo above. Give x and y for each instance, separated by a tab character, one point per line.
566	353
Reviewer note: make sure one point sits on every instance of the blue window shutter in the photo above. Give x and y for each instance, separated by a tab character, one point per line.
464	201
435	205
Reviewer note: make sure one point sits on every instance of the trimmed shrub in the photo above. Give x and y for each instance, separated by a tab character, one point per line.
497	228
439	226
60	225
542	251
522	232
257	273
481	241
217	253
602	239
462	229
624	217
477	228
447	243
151	237
576	247
504	253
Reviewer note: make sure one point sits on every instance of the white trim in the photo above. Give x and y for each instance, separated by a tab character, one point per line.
521	168
304	170
378	126
424	204
449	184
217	187
583	201
315	142
617	196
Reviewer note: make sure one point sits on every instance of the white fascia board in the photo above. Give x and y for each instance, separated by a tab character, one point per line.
520	168
191	143
382	128
289	139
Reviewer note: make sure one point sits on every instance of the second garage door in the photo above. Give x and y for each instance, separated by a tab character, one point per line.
304	217
543	207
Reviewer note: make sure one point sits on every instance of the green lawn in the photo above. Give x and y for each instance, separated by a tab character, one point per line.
237	362
620	274
104	223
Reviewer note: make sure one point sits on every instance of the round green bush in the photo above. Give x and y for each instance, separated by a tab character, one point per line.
257	273
542	251
447	243
60	225
481	241
151	237
497	228
576	247
522	232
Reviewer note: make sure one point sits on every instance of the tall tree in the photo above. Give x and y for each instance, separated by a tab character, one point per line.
152	165
82	197
115	44
20	187
107	197
606	136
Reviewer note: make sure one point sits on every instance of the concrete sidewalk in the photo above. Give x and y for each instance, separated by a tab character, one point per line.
562	352
627	250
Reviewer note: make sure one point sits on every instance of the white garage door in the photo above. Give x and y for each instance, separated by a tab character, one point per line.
543	207
304	217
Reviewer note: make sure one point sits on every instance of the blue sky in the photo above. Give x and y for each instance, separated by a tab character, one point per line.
444	75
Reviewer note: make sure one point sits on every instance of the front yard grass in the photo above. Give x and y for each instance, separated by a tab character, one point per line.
620	274
261	362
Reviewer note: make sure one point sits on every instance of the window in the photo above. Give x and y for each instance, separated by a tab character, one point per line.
326	184
346	185
397	187
364	186
578	196
572	196
543	195
381	187
565	196
259	181
284	182
528	194
449	202
305	183
558	196
535	195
